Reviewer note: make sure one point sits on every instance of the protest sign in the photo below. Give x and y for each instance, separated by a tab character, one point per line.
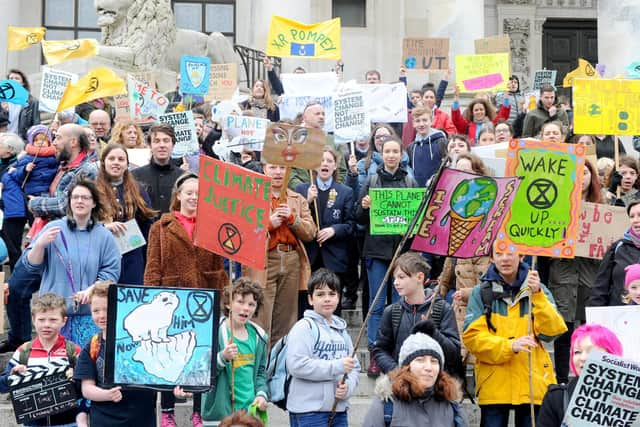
548	201
291	106
233	212
623	320
350	118
54	82
386	103
138	156
464	214
223	82
392	209
309	84
121	103
160	337
494	44
544	77
606	393
425	54
296	146
289	38
249	131
42	391
583	70
600	226
131	239
185	128
145	103
606	106
195	72
489	72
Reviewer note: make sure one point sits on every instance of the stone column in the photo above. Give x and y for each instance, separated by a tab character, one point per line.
517	20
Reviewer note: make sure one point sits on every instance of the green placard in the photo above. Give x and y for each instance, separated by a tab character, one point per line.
393	208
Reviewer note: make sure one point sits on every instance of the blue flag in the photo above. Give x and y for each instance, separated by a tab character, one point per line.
303	49
195	72
13	92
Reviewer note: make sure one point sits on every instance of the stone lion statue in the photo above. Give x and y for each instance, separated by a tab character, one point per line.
141	35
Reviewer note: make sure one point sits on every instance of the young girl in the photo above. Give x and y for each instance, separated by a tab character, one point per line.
244	352
478	114
487	135
552	131
632	285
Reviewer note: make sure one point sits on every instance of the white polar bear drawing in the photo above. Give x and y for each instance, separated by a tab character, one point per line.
151	321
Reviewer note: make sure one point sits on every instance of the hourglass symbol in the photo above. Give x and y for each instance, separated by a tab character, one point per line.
623	115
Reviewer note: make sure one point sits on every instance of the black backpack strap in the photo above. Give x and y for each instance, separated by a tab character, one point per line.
396	316
436	311
565	398
486	293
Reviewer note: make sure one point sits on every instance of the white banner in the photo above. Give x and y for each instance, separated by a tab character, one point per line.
291	106
309	84
623	320
351	121
386	103
54	82
245	131
185	128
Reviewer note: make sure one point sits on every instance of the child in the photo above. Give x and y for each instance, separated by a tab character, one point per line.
246	350
318	356
416	303
632	285
426	152
110	407
49	313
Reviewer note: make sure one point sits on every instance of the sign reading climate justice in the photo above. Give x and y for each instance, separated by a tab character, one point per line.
548	201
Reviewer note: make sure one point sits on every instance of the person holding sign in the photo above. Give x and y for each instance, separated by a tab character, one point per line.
260	102
545	111
426	152
625	179
497	333
584	340
516	100
379	250
478	114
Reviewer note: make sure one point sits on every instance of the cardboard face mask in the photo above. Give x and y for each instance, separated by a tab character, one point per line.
291	145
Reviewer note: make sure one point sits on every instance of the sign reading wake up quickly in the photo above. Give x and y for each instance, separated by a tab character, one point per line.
548	201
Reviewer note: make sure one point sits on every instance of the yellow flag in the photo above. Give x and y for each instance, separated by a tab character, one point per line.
97	83
19	38
584	70
294	39
59	51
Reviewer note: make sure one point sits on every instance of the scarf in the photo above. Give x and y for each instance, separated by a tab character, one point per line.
633	237
258	107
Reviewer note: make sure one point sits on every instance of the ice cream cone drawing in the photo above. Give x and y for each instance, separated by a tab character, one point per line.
470	203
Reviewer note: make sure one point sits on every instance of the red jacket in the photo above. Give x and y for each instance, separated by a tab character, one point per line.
469	129
440	120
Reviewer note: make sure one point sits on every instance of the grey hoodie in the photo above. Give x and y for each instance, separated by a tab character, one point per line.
314	359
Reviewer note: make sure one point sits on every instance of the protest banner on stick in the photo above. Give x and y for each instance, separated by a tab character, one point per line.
223	82
488	72
54	83
392	209
294	146
289	38
600	226
351	121
544	77
425	53
249	132
184	126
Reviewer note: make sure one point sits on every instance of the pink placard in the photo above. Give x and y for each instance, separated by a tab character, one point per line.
483	82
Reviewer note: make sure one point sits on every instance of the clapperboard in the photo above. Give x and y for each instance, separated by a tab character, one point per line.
42	391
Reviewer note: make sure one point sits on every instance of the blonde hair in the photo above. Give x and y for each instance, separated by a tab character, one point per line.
49	301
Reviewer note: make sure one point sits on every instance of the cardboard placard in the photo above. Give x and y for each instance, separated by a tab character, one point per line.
544	77
121	103
392	209
600	226
425	53
245	131
184	126
39	393
161	337
145	103
487	72
233	212
296	146
223	82
495	44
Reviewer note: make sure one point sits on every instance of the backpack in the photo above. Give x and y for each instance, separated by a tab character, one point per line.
25	351
375	179
388	413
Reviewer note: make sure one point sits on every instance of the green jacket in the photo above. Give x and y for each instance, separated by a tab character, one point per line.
301	176
216	404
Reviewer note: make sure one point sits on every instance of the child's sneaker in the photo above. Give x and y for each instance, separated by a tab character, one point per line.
169	420
196	419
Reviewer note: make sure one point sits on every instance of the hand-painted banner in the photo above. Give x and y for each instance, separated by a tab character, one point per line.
606	106
19	38
386	103
160	337
606	393
489	72
13	92
544	77
223	82
145	103
291	106
494	44
245	131
289	38
195	72
392	209
59	51
351	121
54	83
600	226
464	214
425	54
546	213
184	126
233	212
295	146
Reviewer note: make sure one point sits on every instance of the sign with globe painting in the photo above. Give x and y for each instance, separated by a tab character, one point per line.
464	214
546	216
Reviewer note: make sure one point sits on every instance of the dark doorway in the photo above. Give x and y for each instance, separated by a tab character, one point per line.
566	40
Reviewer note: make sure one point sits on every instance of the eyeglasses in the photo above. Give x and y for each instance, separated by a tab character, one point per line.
82	197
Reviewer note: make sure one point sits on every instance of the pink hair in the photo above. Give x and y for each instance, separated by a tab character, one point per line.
600	336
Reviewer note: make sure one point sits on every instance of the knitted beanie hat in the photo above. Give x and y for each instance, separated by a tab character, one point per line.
37	130
633	273
417	345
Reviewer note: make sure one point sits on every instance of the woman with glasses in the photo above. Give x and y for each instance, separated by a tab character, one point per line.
71	254
93	151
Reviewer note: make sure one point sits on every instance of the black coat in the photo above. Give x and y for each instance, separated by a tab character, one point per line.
553	405
29	116
158	182
335	251
608	287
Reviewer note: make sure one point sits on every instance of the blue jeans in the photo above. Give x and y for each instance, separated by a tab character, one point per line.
498	415
318	419
376	268
22	284
237	268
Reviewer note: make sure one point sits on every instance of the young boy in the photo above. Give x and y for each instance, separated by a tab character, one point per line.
416	303
426	152
318	356
49	314
246	350
110	406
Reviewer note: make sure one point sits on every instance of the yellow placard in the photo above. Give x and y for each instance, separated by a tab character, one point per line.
59	51
19	38
288	38
606	106
488	72
97	83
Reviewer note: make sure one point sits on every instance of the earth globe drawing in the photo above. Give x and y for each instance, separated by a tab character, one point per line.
410	62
